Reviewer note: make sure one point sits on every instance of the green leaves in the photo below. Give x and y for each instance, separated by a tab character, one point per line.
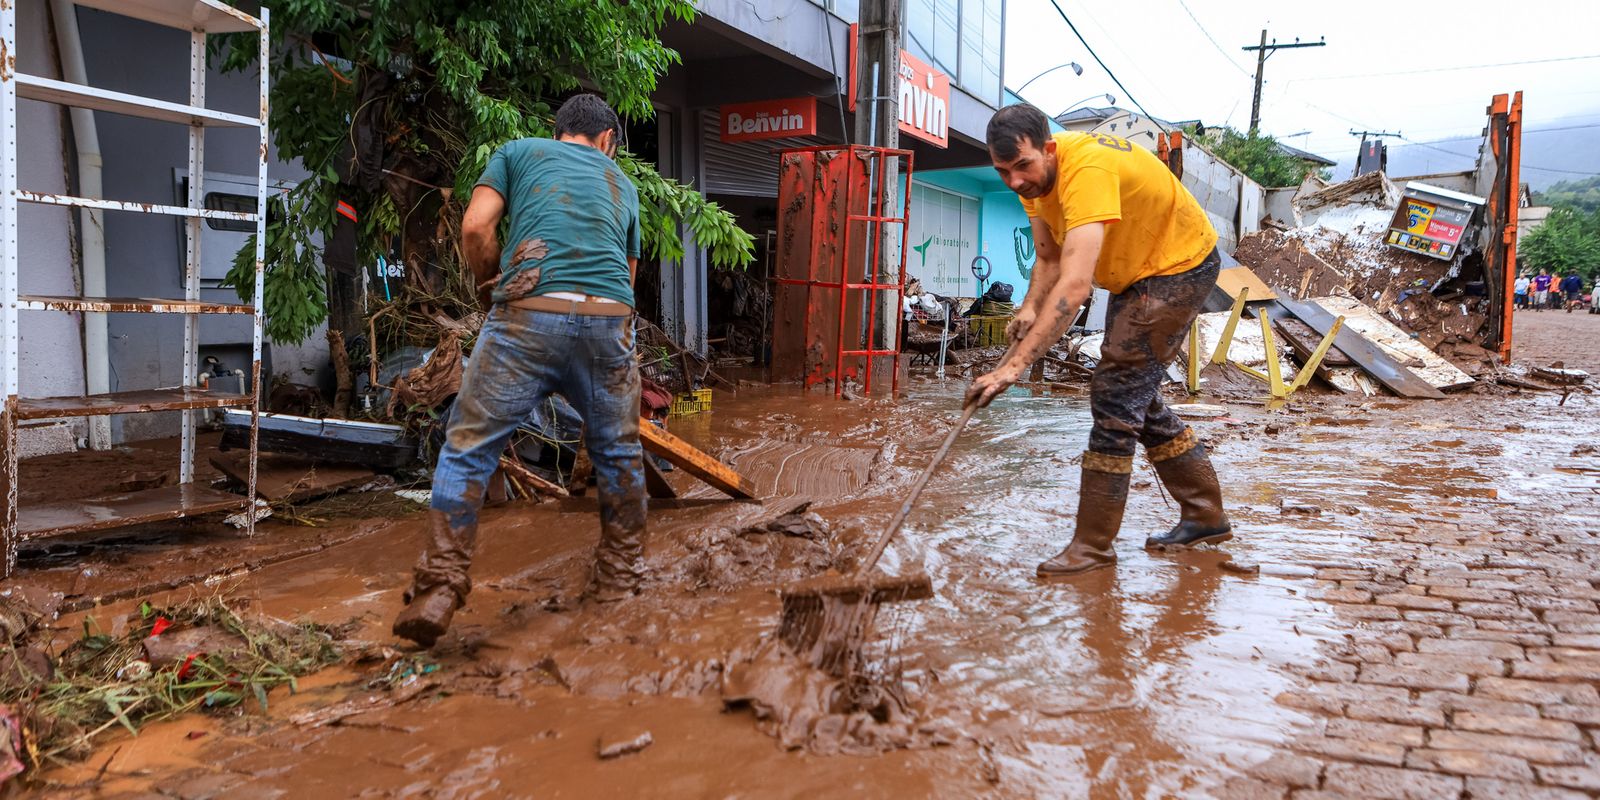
665	203
294	296
1257	156
1568	241
467	76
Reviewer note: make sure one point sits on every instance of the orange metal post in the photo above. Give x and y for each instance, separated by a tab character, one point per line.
1514	179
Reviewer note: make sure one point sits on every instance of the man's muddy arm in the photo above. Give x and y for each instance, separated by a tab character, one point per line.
480	239
1060	305
1069	290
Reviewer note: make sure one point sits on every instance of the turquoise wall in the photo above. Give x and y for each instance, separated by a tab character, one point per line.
999	216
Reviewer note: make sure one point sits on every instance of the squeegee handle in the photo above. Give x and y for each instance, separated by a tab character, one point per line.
922	482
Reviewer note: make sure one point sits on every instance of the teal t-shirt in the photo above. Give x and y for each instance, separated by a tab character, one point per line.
574	220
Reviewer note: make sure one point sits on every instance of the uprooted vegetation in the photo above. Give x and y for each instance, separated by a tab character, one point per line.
154	664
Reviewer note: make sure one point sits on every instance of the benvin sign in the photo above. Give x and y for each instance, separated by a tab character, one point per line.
924	95
769	119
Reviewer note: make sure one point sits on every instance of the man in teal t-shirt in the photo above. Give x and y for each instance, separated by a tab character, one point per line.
560	294
574	219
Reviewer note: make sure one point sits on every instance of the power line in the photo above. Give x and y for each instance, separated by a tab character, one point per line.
1113	75
1214	43
1445	69
1263	51
1475	155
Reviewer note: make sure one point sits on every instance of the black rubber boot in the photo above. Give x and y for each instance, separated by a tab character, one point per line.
1191	480
1102	496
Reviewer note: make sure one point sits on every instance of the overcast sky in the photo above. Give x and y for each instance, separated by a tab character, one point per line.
1164	56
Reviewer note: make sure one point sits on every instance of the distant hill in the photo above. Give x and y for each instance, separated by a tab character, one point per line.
1575	149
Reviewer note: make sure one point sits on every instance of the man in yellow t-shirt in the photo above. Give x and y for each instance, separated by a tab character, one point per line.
1107	213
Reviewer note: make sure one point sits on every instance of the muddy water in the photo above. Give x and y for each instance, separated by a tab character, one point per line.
1153	679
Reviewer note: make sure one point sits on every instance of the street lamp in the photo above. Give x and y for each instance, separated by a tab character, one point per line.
1076	70
1110	101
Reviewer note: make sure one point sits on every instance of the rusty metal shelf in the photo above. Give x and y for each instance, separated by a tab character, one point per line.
49	90
141	305
115	511
70	201
209	16
178	399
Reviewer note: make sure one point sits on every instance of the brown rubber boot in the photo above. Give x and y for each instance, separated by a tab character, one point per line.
1102	496
619	559
1192	481
427	616
441	581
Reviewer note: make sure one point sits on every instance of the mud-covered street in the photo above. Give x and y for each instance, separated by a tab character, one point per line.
1409	610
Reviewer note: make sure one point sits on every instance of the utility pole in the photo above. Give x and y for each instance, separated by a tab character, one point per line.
878	74
878	125
1262	51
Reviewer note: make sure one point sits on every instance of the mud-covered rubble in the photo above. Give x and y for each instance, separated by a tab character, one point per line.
1338	248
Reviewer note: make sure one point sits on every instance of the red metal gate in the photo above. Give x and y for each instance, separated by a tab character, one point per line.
834	202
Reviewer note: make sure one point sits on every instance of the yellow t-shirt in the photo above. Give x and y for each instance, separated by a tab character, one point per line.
1158	227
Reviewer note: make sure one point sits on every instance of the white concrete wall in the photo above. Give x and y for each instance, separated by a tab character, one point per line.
1279	204
1232	201
51	346
144	253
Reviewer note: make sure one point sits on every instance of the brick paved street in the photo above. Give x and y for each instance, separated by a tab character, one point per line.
1424	623
1471	660
1548	336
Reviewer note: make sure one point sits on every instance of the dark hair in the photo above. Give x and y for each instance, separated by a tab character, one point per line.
1012	124
586	115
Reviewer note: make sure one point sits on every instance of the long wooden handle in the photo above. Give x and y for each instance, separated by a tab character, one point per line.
922	482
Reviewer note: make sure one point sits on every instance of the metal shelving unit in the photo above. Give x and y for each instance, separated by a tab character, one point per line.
200	18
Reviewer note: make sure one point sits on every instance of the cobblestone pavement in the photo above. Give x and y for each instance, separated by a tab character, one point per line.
1471	659
1545	336
1424	623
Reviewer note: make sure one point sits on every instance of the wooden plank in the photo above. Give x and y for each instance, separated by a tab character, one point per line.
1274	367
1369	356
1315	361
1194	356
175	399
1237	279
121	510
1221	354
655	482
1397	342
1304	341
684	456
284	478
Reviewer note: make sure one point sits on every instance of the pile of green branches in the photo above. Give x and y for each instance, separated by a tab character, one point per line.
101	682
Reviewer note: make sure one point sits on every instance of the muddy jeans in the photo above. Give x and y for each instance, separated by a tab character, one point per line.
1145	326
523	356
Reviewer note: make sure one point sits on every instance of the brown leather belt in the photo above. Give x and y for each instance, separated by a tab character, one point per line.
556	305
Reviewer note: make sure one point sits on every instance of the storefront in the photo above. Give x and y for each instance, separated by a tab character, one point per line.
752	84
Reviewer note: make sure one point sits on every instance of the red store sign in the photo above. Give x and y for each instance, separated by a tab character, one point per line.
924	95
769	119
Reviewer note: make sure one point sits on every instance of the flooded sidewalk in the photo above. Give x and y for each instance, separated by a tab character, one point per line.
1408	610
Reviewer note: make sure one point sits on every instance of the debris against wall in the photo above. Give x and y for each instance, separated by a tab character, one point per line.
1338	248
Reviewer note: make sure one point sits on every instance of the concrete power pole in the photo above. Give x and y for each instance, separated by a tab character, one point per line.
1262	51
878	124
877	74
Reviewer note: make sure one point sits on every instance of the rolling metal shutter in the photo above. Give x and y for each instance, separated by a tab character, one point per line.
742	168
